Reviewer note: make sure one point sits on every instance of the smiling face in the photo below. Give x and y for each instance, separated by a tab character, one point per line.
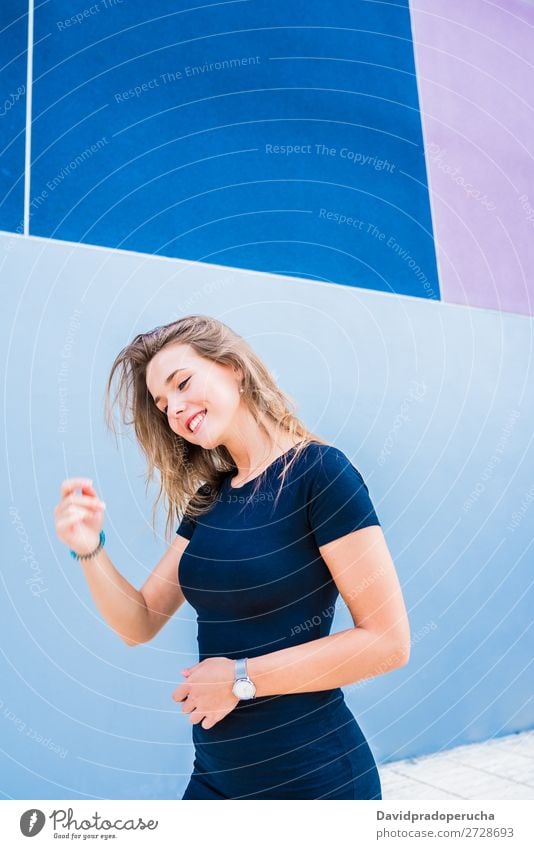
197	386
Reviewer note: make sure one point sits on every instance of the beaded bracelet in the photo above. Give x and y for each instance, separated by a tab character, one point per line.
92	553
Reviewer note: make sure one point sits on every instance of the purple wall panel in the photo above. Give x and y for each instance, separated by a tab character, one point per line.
475	69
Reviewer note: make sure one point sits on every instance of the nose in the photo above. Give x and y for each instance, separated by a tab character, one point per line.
175	408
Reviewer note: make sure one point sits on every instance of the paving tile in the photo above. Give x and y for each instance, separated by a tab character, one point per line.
412	790
506	766
501	768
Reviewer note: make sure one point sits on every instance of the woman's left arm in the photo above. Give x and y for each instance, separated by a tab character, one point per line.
363	570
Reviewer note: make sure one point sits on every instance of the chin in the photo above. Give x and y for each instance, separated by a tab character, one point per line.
209	444
204	440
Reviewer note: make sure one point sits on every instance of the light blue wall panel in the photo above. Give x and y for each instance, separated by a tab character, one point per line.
432	403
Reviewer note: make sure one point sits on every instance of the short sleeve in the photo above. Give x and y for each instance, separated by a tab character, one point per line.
186	527
339	501
188	524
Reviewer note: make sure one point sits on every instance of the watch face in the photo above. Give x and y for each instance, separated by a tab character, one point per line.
244	689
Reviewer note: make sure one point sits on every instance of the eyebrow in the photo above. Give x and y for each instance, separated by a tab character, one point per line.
167	381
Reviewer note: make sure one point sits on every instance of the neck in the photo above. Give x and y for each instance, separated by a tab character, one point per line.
251	449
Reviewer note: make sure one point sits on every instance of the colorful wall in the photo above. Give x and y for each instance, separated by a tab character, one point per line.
350	188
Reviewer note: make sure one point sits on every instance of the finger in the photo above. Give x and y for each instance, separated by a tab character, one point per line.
197	716
77	511
70	521
72	516
88	512
188	706
180	693
211	720
90	501
71	484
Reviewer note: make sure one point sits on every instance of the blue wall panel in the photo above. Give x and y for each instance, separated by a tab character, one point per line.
13	56
278	137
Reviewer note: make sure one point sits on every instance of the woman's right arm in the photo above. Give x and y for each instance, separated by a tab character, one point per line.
135	615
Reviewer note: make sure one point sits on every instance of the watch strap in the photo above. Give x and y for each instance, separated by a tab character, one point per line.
241	668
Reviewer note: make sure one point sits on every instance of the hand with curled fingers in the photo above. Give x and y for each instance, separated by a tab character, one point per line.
79	518
207	693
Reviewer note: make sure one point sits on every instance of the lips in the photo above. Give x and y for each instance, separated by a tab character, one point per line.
190	419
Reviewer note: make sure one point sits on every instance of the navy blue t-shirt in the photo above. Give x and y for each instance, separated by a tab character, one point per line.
253	572
255	576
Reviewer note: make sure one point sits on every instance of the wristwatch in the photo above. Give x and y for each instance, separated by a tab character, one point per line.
243	687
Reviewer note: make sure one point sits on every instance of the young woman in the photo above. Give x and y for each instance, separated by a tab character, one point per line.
274	524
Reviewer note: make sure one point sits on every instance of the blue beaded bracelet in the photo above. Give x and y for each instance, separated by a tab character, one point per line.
92	553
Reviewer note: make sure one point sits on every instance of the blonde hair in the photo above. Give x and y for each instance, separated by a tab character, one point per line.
190	475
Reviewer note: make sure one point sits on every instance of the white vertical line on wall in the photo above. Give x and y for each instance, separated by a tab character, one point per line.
28	149
428	171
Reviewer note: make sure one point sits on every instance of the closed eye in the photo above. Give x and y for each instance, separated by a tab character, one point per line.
180	387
